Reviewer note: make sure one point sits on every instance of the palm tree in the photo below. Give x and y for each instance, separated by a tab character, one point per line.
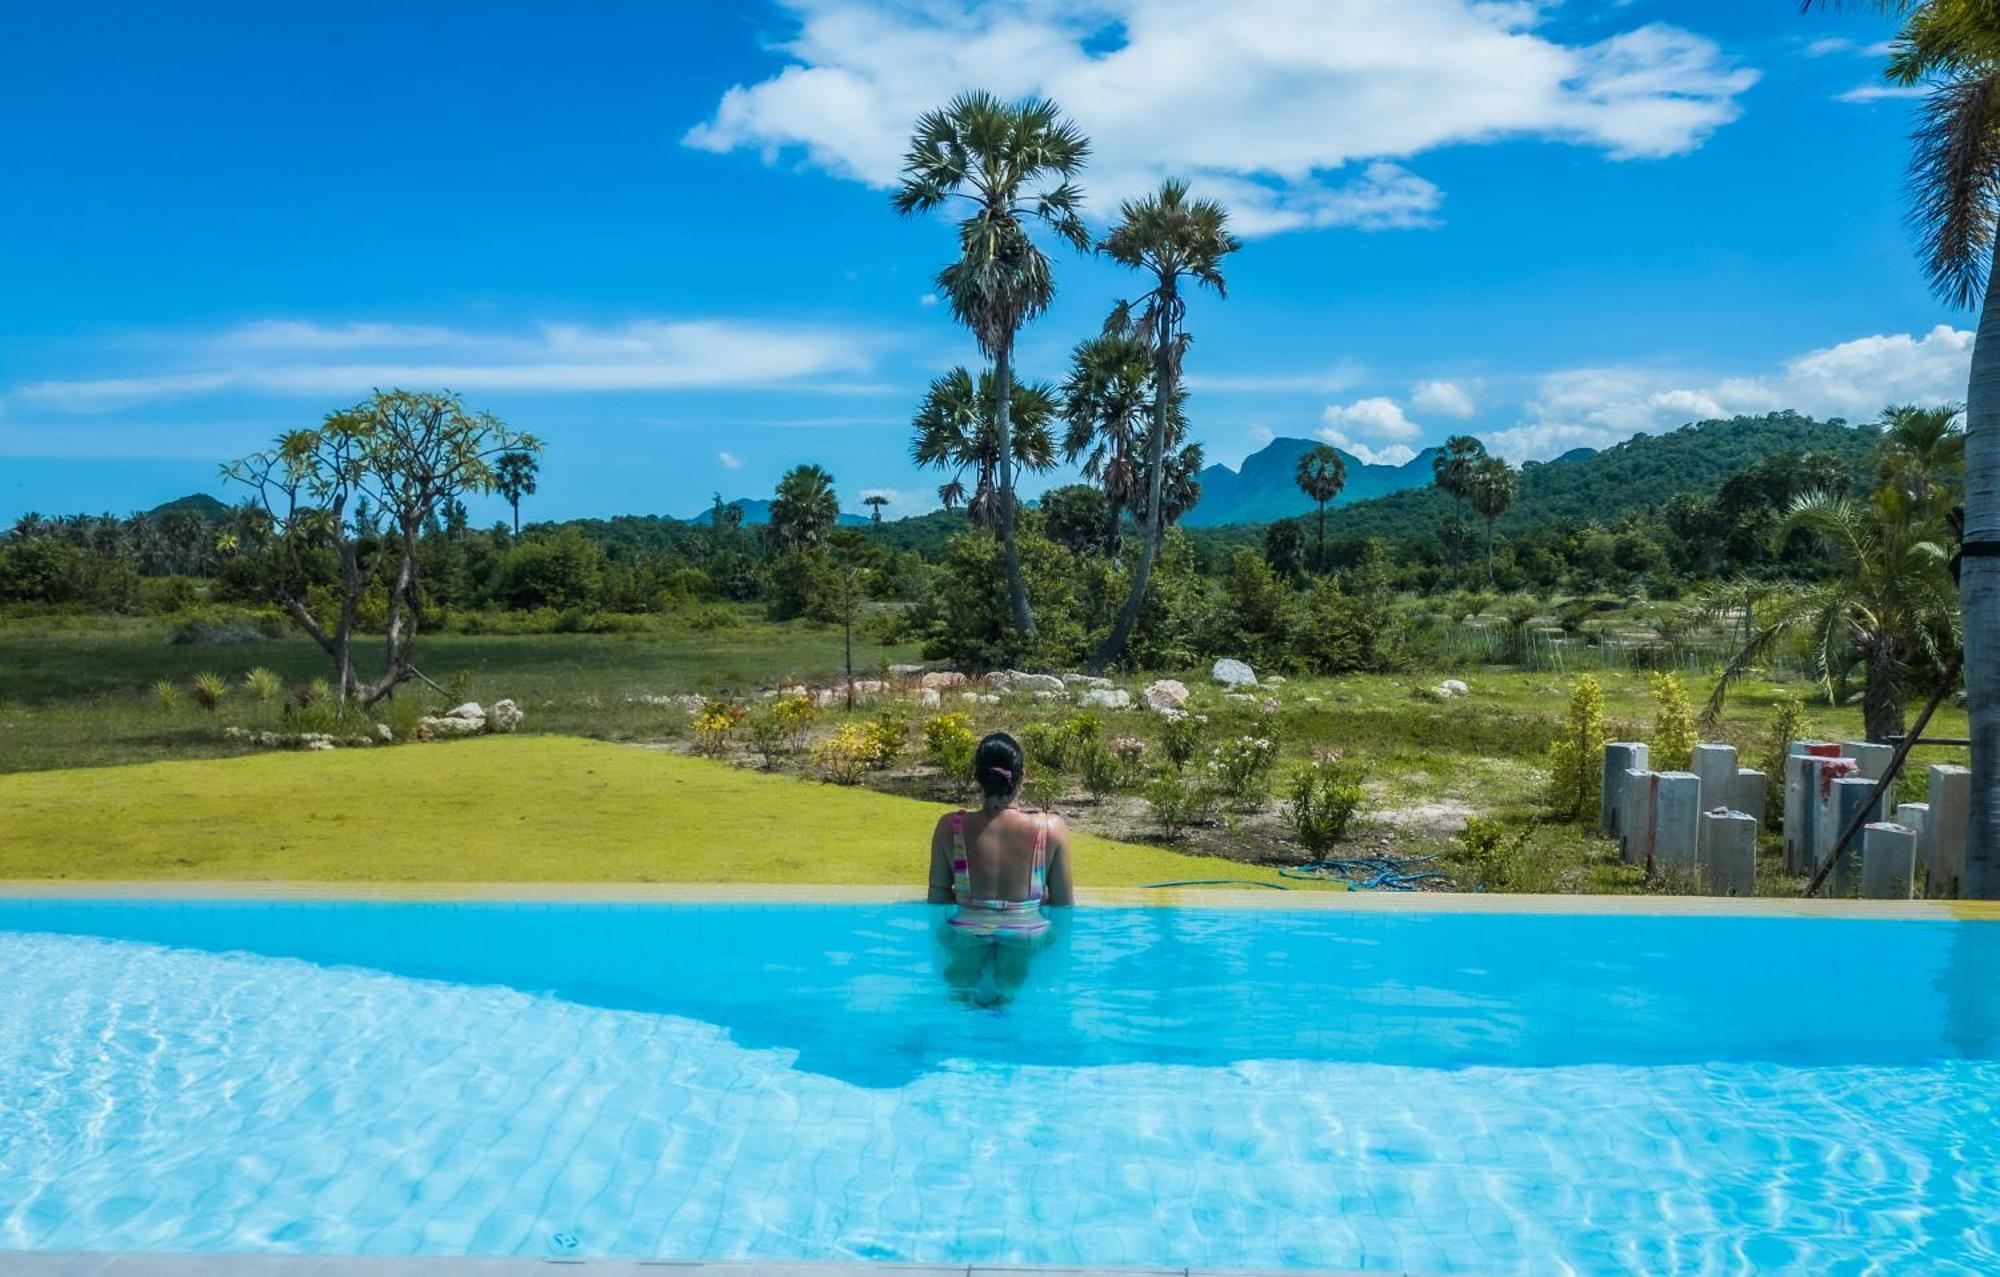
804	511
959	428
1954	45
1176	240
1107	401
1451	467
875	501
1321	475
1013	162
514	477
1489	486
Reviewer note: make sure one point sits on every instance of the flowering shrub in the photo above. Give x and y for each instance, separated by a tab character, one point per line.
1324	799
1240	769
1178	801
849	752
1047	746
948	745
891	730
714	724
1183	737
793	715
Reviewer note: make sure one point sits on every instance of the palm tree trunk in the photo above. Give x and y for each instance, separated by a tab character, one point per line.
516	503
1003	389
1156	452
1881	694
1979	599
1321	565
1489	554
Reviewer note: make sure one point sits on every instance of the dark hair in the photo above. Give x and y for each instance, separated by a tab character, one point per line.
997	765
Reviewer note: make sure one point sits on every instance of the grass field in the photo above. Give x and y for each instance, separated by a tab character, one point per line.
497	809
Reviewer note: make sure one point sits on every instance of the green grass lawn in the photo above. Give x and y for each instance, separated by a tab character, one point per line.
496	809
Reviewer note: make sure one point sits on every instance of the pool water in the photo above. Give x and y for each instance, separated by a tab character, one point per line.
1173	1087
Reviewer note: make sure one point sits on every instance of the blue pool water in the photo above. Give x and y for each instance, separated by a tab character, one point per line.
1405	1091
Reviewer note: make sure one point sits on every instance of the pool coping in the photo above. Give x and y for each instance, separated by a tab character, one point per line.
29	1263
576	893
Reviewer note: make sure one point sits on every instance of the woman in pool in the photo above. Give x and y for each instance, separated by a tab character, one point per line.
1003	867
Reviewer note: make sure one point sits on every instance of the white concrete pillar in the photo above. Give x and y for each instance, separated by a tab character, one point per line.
1676	824
1914	816
1826	822
1888	861
1749	793
1620	757
1798	781
1942	852
1728	861
1873	760
1635	817
1848	798
1716	766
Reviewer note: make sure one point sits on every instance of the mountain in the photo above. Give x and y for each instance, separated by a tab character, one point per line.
757	511
1266	488
199	503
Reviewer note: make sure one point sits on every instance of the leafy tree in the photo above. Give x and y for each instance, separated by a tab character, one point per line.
1014	162
1107	401
1489	487
1177	241
875	501
854	563
1075	516
1451	473
958	428
514	477
1672	746
1285	548
1321	475
804	511
1576	756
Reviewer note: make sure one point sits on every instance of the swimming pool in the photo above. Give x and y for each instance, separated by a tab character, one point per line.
1209	1087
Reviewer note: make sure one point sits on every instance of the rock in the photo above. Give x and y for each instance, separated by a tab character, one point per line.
504	717
471	710
234	733
1274	680
1238	696
794	689
383	734
869	687
929	697
431	727
1451	687
828	698
906	671
1231	673
1165	695
1085	680
1108	698
942	679
1037	683
319	744
999	680
979	698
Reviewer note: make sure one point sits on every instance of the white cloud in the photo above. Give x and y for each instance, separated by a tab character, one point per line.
729	460
292	358
1865	93
1394	454
1443	399
928	300
1831	44
1379	418
1599	407
1296	112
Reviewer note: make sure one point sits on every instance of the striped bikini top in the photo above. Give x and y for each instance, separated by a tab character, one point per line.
961	875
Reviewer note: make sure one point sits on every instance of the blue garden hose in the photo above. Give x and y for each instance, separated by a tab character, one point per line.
1372	873
1218	882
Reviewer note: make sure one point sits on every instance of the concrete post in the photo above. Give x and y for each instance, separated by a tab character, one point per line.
1729	853
1825	827
1635	817
1715	765
1914	816
1888	861
1873	760
1620	756
1943	841
1676	824
1750	793
1847	798
1800	788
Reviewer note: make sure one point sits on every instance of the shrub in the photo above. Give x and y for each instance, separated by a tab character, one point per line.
1673	730
1503	861
1790	725
714	724
891	729
849	752
1042	790
264	684
1324	800
167	694
1083	730
1105	771
1240	769
209	690
948	745
1047	746
1182	739
1177	801
767	735
795	714
1576	757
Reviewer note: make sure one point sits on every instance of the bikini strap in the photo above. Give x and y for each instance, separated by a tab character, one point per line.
1040	873
961	873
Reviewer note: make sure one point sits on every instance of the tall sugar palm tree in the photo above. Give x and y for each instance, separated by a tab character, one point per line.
1107	401
514	477
1954	46
1321	475
875	501
1489	487
958	428
1014	164
804	511
1451	468
1179	242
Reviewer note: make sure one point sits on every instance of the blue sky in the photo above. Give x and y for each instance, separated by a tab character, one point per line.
658	235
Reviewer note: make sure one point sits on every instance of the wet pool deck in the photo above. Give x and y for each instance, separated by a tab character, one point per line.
1308	898
138	1264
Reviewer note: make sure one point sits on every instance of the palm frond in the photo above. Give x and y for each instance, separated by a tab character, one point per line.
1954	179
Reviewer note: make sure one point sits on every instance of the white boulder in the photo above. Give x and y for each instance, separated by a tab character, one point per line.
1108	698
906	671
470	710
433	727
1233	673
1165	696
505	716
1085	680
1451	687
929	697
940	680
1037	683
